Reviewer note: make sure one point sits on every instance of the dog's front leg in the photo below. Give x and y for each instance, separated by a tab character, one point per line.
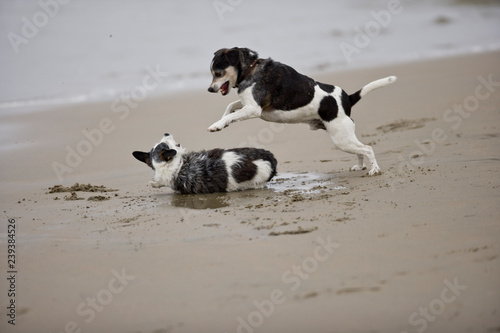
247	112
233	107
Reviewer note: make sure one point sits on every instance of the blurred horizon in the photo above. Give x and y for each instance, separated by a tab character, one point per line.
60	51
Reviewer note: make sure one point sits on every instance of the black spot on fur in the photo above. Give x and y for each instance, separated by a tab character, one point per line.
162	153
202	172
326	87
167	154
328	108
215	154
206	172
346	103
279	87
245	169
354	98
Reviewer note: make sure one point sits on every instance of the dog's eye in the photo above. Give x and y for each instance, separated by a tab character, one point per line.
178	145
217	74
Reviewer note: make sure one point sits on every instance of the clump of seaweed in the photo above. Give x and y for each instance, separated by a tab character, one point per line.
79	188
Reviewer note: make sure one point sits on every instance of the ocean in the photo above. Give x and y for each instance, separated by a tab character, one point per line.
56	52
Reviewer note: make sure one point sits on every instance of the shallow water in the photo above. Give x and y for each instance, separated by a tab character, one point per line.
308	183
200	201
67	60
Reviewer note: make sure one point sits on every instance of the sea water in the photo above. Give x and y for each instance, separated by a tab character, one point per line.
61	52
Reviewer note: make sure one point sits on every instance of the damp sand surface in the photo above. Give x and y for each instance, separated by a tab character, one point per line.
322	248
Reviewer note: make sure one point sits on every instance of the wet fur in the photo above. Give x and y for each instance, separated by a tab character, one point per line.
208	171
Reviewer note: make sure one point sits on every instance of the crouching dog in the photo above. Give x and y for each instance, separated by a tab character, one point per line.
208	171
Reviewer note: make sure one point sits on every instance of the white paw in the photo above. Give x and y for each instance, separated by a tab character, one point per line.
213	128
358	167
156	184
374	171
218	126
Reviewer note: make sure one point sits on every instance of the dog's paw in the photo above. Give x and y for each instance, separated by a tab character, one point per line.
218	126
358	167
213	128
374	171
156	184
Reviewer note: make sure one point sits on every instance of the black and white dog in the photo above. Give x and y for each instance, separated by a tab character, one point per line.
276	92
216	170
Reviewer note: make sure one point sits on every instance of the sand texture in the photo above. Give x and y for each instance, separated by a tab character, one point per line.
321	249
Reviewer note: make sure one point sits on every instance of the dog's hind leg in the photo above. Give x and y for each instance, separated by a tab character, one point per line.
361	164
341	131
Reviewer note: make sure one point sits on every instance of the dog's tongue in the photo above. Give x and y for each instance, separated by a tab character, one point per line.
224	89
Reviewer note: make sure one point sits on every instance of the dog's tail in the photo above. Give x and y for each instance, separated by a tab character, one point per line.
354	98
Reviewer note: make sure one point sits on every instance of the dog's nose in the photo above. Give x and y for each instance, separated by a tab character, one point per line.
210	89
166	134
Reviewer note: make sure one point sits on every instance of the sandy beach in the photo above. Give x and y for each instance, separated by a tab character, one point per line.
321	249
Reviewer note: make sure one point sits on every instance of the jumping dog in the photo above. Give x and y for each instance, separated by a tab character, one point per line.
276	92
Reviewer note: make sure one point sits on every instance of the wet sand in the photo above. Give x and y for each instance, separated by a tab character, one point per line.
321	249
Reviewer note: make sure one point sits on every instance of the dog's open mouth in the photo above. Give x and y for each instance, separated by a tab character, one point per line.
224	89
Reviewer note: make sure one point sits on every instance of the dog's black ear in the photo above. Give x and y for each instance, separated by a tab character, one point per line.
167	154
246	57
143	157
219	52
233	56
248	54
